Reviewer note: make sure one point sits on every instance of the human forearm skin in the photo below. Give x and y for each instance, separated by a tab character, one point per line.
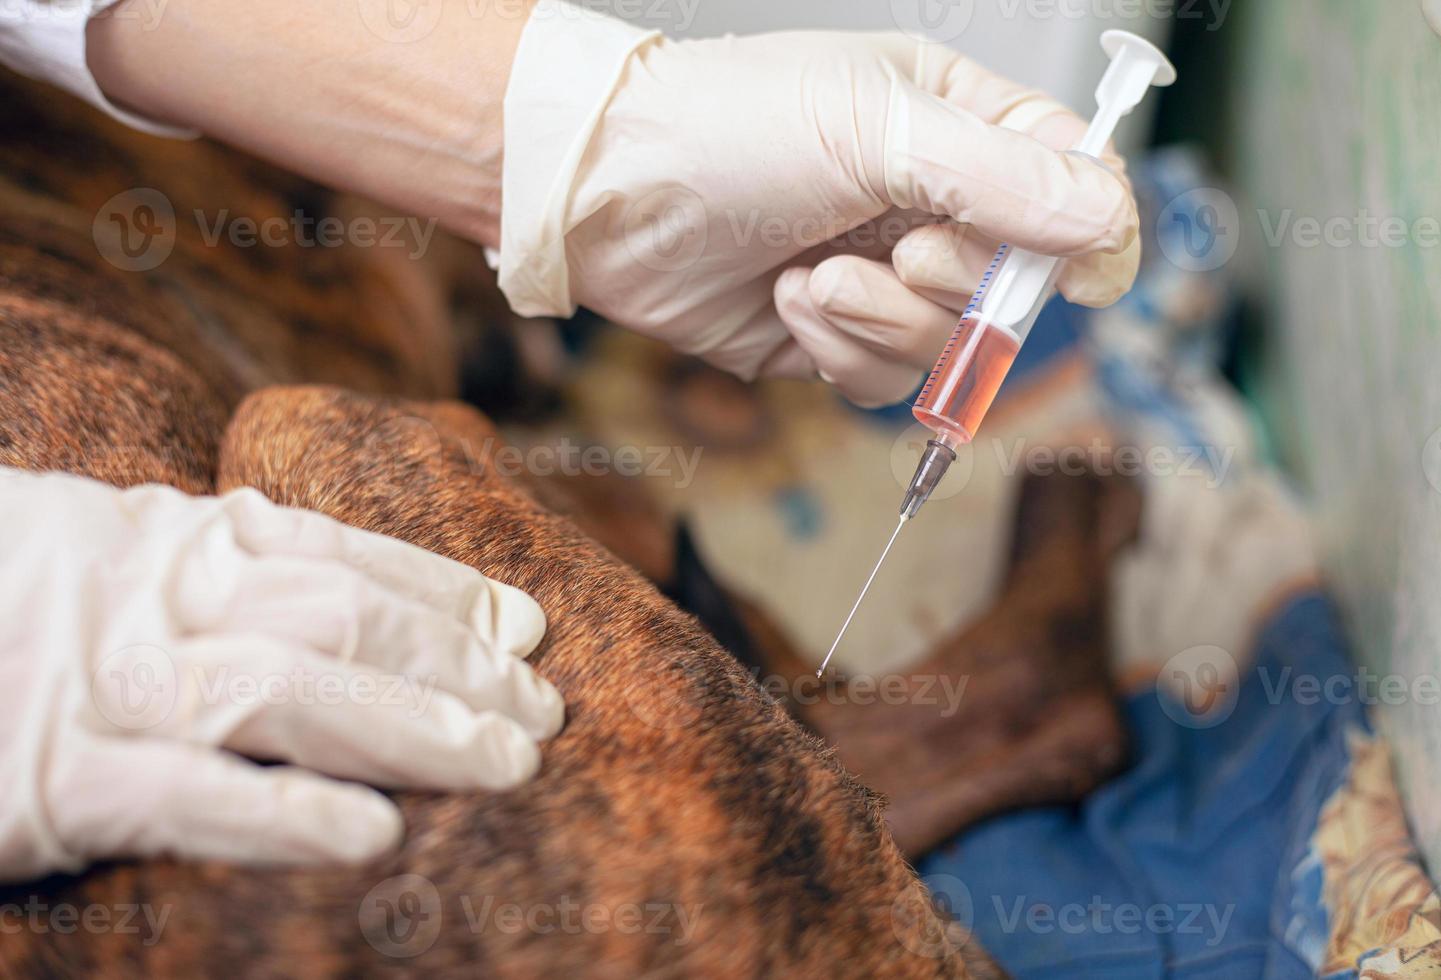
347	92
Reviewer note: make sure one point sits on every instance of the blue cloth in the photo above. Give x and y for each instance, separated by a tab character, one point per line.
1208	835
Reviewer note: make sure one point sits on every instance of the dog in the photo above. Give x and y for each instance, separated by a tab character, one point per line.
684	823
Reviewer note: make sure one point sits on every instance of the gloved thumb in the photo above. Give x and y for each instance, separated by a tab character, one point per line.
199	803
942	158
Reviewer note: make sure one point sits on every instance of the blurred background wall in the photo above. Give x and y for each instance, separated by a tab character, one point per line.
1335	116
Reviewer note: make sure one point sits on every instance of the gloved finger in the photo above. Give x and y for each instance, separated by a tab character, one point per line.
505	618
946	261
1009	185
199	803
331	608
790	361
275	701
860	374
1003	102
867	302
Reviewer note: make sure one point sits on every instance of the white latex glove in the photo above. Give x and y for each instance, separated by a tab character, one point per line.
756	200
143	633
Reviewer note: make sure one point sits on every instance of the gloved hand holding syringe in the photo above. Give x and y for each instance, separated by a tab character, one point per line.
1006	305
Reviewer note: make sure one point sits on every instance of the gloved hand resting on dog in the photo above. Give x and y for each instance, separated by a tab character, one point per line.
147	636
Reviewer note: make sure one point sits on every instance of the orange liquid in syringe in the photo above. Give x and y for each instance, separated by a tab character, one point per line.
964	383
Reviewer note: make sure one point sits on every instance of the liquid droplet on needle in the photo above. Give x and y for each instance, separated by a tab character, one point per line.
861	598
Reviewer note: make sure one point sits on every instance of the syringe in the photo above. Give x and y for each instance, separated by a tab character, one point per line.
1004	308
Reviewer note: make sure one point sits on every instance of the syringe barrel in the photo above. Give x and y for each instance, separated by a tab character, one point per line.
980	353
